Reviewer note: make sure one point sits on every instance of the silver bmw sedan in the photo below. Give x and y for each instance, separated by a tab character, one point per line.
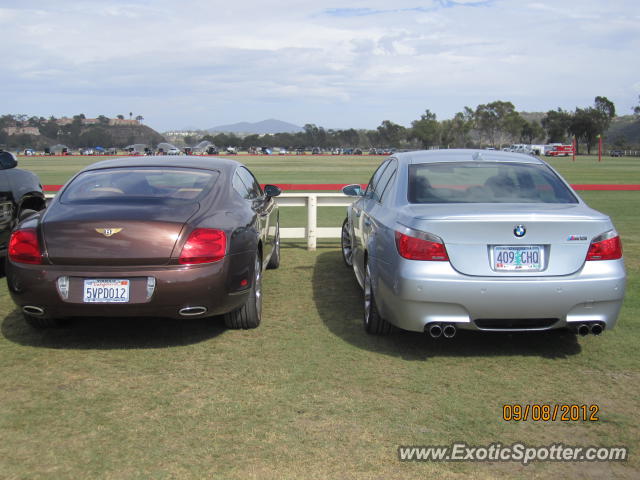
443	240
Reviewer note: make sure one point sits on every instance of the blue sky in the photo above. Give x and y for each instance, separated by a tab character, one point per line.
200	63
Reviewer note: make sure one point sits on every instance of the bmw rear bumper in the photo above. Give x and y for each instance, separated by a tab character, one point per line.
418	294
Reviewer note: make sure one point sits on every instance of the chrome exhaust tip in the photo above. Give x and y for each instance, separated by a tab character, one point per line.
449	331
435	330
192	311
583	329
597	328
31	310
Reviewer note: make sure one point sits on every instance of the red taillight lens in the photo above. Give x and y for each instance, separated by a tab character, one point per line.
609	249
204	245
24	247
414	248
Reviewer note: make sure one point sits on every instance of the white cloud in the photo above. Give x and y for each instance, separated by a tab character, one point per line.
200	63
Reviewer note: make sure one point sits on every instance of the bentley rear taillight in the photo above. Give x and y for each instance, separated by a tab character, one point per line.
24	247
204	245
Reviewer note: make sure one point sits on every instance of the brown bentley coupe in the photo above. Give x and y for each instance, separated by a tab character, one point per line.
148	236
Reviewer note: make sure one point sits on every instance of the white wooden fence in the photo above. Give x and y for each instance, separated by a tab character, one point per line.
312	201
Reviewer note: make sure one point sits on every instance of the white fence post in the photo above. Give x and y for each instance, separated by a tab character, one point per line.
312	221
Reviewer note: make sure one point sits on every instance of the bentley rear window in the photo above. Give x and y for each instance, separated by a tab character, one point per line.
139	184
486	182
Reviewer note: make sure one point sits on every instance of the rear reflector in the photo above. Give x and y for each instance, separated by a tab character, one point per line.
414	248
605	249
24	247
204	245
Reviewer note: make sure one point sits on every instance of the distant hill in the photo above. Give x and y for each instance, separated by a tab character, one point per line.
624	130
265	126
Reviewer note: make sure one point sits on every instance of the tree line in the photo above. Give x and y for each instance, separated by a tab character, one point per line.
493	124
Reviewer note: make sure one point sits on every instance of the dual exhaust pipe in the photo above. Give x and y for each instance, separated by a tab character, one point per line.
447	330
185	312
595	328
33	310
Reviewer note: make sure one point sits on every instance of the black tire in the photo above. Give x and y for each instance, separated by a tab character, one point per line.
274	261
249	315
41	322
373	322
346	243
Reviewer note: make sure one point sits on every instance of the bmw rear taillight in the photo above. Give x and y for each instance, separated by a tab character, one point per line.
415	245
24	247
204	245
605	247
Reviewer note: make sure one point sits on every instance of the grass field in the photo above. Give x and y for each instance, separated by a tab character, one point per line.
345	169
308	394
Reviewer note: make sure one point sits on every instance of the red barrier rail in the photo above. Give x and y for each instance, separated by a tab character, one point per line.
322	187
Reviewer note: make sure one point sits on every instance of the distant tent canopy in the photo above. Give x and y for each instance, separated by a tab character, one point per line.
137	147
58	149
203	146
165	147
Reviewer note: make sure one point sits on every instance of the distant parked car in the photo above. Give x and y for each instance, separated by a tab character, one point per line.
173	151
480	240
283	151
316	151
617	153
144	236
357	151
20	196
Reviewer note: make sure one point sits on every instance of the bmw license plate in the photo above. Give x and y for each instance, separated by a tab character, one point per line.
517	258
106	290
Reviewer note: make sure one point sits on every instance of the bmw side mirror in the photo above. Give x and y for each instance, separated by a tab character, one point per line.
354	190
272	190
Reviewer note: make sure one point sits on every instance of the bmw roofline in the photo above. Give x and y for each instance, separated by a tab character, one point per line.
465	155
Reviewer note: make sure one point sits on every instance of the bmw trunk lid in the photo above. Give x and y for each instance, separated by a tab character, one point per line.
123	234
511	239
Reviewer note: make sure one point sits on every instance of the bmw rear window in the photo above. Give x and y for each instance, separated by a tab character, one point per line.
486	182
141	184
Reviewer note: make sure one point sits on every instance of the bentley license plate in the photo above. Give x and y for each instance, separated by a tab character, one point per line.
517	258
106	290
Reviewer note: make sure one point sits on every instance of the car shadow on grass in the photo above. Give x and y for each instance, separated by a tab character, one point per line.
338	299
112	333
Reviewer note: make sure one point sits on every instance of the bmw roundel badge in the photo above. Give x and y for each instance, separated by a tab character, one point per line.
519	231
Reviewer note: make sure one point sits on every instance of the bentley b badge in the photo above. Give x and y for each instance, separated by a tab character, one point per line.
107	232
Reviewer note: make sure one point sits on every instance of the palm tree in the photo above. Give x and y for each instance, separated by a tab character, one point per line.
140	118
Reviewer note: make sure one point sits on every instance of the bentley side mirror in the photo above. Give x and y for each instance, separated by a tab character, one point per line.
353	190
272	190
7	160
